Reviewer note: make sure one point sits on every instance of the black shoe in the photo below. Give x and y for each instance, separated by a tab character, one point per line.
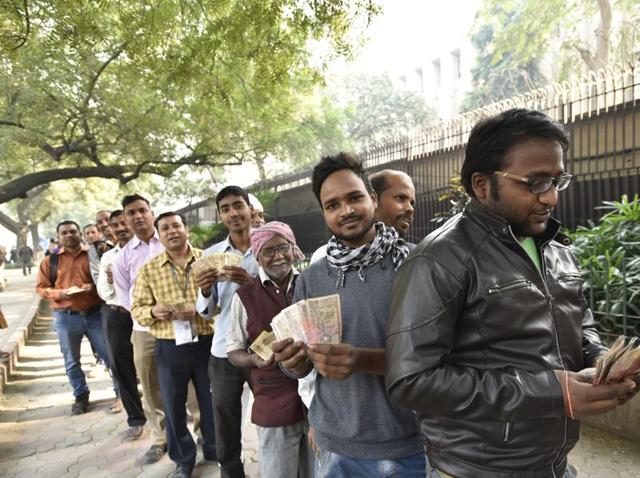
153	454
182	471
80	405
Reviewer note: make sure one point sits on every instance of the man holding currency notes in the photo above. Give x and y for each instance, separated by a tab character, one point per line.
277	410
217	284
358	431
164	300
64	279
489	330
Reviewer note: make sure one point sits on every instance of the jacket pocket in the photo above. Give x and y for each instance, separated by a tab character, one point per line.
570	278
507	286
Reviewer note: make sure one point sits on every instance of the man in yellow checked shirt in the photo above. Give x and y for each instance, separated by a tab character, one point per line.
164	300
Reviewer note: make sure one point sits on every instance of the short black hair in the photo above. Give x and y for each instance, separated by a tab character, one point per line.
330	164
116	213
168	214
90	225
66	223
232	191
492	137
133	198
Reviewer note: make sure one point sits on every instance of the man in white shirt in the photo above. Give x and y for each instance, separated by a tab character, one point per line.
215	293
118	326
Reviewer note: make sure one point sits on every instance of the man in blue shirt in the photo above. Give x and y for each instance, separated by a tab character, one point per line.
215	293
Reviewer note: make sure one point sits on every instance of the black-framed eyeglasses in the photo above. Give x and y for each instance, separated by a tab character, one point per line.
282	249
540	185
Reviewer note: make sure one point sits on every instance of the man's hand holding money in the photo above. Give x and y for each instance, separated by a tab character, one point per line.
582	398
292	355
161	312
260	363
205	280
186	313
334	361
237	274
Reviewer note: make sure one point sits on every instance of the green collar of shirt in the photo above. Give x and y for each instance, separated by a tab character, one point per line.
529	245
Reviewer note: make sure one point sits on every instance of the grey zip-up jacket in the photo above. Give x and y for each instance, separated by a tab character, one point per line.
475	333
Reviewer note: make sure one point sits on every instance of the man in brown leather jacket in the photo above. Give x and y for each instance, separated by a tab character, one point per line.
489	333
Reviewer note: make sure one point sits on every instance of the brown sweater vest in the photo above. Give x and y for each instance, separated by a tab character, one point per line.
276	400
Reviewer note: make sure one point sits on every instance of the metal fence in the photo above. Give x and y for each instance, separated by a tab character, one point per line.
601	113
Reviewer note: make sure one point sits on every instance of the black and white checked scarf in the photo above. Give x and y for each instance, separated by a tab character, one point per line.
345	258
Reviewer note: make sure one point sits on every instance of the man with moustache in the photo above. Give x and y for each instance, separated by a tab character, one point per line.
277	409
396	199
183	339
489	329
75	305
118	327
215	293
354	437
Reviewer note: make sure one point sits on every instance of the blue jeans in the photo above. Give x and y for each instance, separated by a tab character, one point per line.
70	328
332	465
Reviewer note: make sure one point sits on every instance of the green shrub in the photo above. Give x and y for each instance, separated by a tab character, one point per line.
609	253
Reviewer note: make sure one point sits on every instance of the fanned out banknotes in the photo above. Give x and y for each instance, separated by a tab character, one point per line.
621	362
216	261
312	321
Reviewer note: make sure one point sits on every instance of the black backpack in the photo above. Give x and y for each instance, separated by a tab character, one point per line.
53	269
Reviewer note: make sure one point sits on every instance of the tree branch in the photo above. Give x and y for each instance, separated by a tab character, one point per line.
21	186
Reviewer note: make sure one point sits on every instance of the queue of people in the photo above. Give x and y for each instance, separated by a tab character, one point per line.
465	355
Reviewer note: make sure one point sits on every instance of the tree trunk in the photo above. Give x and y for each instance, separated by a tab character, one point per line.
603	34
261	171
35	238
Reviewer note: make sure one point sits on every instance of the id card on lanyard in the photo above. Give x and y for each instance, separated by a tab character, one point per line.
182	329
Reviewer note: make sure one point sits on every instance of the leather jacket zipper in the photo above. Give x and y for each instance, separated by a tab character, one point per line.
543	274
507	429
496	289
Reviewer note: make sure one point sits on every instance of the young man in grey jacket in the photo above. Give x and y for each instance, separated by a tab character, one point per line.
358	431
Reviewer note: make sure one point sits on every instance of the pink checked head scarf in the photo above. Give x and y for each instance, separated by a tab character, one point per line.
270	229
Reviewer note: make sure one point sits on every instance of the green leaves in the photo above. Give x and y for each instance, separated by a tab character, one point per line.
609	254
152	86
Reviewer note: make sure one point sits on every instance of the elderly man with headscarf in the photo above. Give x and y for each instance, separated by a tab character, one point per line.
277	410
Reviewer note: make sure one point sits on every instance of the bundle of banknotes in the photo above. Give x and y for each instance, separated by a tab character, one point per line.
216	261
312	321
621	362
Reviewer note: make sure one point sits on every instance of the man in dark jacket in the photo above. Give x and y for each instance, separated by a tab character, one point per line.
489	331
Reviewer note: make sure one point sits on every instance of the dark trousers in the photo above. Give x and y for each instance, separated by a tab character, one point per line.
227	383
177	364
117	328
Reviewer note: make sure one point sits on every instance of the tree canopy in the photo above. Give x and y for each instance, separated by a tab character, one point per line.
121	89
522	46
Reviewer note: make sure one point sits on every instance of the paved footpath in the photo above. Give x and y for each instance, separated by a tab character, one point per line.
39	437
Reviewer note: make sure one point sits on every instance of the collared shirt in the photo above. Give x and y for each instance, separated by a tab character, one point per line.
73	270
221	295
94	260
126	266
106	291
237	335
160	281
